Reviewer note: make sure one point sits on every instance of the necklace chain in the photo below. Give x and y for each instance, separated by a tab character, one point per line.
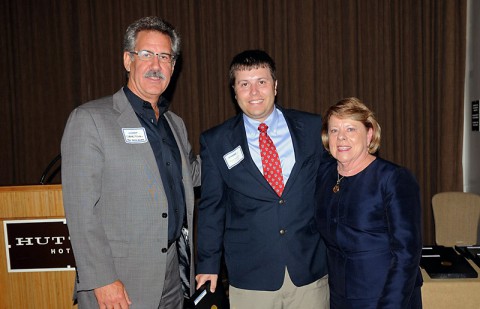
336	187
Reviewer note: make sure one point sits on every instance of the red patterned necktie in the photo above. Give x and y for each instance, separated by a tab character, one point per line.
272	169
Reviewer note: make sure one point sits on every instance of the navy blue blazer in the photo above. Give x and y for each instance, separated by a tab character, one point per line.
372	229
240	215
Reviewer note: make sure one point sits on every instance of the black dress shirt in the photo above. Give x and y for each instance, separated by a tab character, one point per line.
167	155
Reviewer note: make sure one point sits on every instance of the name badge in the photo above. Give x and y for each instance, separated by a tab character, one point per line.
234	157
135	135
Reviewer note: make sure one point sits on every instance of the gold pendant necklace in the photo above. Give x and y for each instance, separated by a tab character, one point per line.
336	187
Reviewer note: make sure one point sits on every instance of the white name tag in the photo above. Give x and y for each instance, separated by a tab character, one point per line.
234	157
135	135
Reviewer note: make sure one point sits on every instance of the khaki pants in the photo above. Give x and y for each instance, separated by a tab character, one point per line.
314	295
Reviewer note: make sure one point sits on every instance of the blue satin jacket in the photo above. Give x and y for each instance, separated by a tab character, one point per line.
372	230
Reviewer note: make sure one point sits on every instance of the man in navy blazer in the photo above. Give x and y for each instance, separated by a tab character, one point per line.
274	255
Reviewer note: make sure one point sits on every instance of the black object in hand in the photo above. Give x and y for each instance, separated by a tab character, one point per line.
204	299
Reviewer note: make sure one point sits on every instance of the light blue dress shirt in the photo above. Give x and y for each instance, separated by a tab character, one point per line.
280	135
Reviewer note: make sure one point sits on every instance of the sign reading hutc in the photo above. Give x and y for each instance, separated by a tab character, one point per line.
38	245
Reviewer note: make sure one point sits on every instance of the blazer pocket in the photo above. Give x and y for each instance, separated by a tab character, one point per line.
237	235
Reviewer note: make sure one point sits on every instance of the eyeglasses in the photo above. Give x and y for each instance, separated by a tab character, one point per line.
146	55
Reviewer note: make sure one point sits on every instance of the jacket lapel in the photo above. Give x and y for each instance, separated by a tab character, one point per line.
297	133
128	119
238	137
186	171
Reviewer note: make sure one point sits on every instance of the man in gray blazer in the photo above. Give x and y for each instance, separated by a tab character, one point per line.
128	176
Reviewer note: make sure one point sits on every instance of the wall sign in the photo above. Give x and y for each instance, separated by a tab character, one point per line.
475	116
38	245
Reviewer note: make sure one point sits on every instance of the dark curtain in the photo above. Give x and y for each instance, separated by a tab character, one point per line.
403	58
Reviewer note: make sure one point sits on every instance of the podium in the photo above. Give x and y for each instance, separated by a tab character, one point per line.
32	288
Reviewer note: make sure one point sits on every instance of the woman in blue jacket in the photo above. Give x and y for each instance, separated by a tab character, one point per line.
369	215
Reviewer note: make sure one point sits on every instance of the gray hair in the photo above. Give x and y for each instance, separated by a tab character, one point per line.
151	23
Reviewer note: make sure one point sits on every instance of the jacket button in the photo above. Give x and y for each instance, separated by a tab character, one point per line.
164	250
281	202
164	215
282	232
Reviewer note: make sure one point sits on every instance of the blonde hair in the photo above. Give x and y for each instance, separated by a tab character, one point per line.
353	108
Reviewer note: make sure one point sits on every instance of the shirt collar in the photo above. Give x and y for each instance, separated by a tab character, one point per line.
251	125
139	105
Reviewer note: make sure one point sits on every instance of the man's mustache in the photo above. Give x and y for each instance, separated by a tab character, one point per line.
154	73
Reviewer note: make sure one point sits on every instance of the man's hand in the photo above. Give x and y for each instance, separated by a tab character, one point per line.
113	296
202	278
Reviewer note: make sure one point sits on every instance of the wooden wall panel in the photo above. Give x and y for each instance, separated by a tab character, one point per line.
52	289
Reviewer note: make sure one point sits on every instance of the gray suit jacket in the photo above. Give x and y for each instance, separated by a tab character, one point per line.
114	199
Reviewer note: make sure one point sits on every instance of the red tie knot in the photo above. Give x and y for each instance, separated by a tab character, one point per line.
262	127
